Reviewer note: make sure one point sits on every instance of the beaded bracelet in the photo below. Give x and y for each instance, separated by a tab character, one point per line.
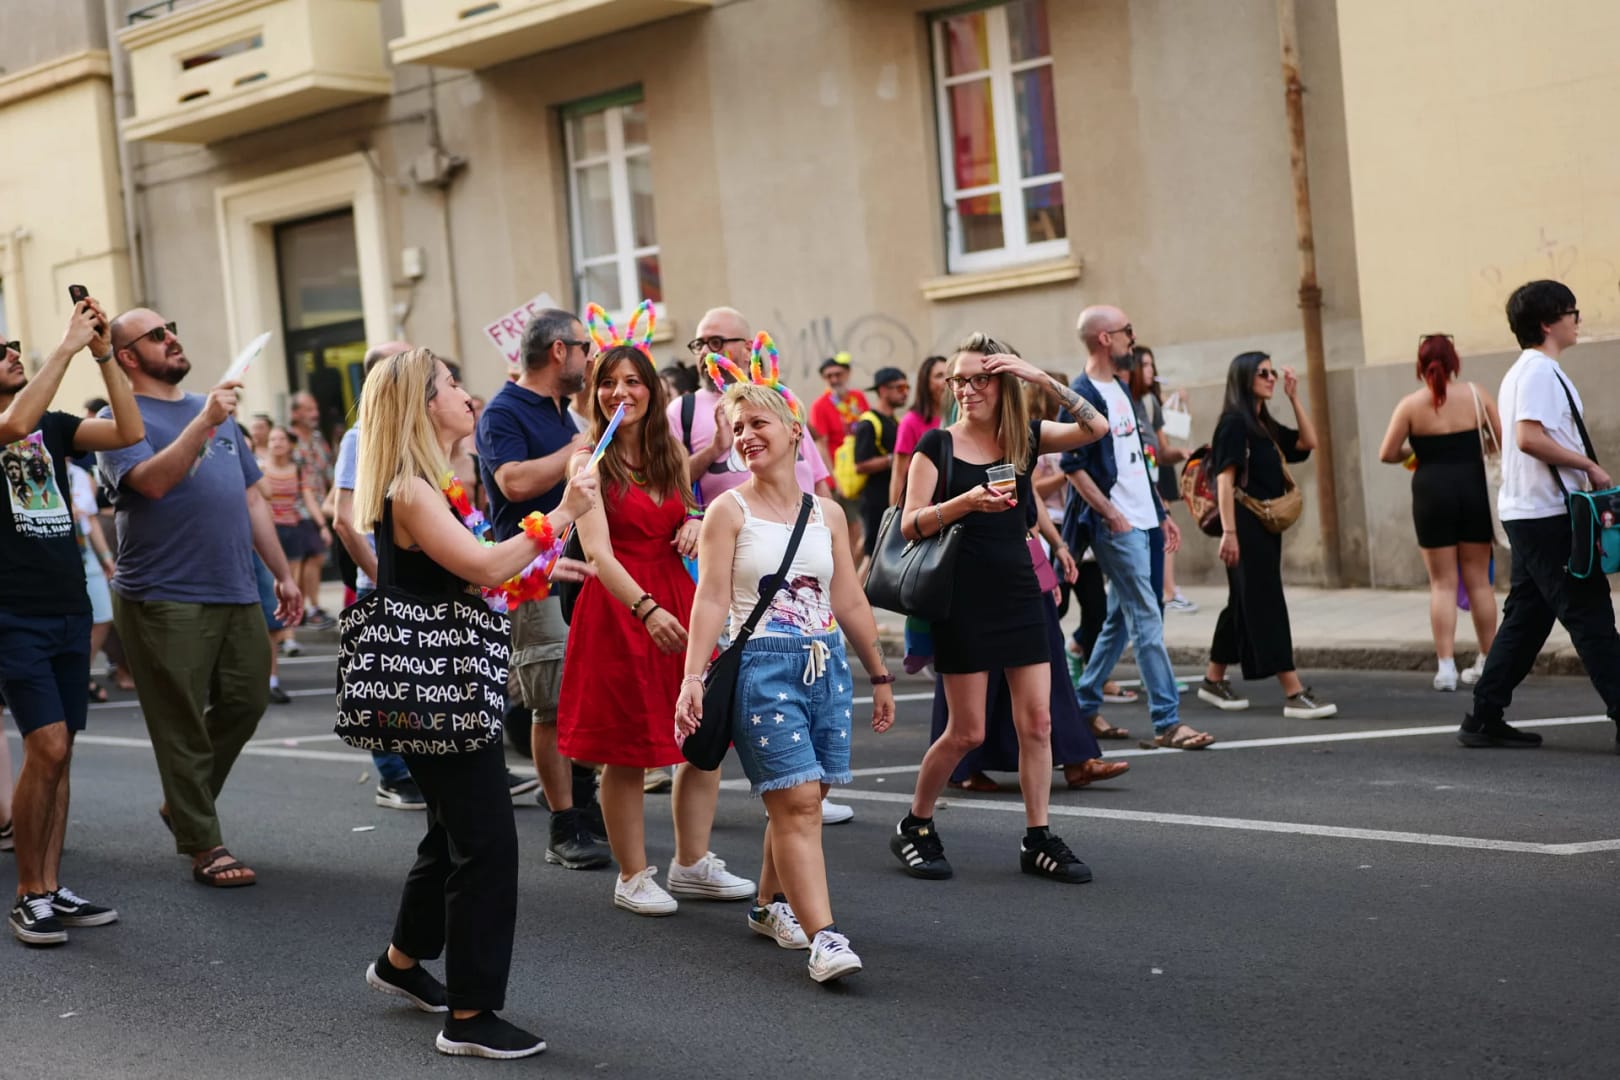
695	515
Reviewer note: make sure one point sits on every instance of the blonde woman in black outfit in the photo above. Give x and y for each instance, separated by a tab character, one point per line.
1248	451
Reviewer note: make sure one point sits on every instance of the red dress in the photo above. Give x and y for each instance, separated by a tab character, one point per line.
617	703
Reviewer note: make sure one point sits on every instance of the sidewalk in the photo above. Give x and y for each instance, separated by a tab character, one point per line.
1374	629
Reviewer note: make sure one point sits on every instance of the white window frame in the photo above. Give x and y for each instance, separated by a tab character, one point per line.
1016	248
625	253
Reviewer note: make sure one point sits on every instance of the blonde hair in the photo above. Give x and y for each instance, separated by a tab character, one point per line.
1013	415
398	441
762	397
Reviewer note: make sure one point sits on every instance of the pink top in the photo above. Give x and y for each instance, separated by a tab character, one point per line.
730	471
912	428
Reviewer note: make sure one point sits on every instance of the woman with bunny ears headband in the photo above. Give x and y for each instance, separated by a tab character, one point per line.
795	715
627	638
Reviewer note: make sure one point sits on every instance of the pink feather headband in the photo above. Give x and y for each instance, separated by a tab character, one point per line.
764	369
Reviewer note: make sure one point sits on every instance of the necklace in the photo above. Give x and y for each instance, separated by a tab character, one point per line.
533	582
775	509
637	479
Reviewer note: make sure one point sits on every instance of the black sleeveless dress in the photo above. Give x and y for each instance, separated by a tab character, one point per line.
997	618
1450	503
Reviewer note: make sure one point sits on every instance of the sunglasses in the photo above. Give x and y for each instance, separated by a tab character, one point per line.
1265	373
978	382
1127	330
712	344
154	335
14	346
572	344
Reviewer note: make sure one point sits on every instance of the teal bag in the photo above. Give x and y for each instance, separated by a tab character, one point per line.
1594	516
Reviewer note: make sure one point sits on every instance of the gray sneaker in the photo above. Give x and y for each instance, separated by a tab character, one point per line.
1221	695
1306	705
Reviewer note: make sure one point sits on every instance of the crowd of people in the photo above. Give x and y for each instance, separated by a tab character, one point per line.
708	503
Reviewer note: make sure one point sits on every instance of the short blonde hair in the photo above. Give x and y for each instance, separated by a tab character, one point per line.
761	397
398	441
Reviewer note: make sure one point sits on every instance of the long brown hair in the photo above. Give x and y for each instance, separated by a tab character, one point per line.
663	458
1012	417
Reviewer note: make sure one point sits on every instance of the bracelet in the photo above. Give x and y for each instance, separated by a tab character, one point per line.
537	528
939	516
642	599
695	515
649	614
101	359
691	678
882	680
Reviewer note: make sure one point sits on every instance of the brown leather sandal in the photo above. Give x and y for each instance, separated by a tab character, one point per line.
976	782
209	871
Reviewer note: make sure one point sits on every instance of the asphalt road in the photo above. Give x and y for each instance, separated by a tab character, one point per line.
1356	907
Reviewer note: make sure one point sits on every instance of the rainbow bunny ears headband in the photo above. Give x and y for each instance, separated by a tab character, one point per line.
764	369
605	335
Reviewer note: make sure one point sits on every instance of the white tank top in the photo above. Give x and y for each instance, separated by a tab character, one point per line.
804	607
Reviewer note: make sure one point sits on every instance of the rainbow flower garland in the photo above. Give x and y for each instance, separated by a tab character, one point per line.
534	582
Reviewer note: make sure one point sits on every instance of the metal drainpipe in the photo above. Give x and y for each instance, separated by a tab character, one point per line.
1310	299
126	170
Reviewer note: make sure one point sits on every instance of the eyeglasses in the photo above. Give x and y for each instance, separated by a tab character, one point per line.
1572	311
712	344
154	335
978	382
1265	373
1127	330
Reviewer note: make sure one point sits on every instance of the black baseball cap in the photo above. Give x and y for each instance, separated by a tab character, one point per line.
842	360
887	375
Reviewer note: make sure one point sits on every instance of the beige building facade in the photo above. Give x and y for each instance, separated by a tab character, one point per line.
876	176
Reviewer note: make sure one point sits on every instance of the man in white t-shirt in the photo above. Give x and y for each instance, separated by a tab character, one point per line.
1544	454
1118	508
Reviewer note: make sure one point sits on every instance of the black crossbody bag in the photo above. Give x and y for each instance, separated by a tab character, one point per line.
706	747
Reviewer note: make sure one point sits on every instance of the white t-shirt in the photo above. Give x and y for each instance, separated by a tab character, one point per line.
1531	391
1133	491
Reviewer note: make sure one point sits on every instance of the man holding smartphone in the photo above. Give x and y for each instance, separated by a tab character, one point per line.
45	611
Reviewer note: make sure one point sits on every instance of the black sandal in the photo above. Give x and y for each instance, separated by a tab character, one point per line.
98	693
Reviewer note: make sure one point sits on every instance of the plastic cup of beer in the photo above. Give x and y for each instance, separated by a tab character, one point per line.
1002	478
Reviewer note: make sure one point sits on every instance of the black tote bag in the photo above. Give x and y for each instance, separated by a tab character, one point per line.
914	577
706	747
419	674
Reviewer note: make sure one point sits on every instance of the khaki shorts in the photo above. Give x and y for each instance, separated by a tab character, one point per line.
539	640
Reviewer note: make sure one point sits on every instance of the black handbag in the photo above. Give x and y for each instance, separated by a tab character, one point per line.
914	577
419	674
567	592
706	747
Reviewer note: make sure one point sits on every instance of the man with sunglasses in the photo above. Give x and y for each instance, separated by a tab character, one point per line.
1545	454
1115	508
524	439
185	595
45	611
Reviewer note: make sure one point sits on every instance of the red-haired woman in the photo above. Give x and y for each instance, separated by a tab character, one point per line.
1451	508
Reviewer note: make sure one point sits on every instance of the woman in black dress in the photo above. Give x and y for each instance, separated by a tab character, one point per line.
1443	430
1247	453
998	617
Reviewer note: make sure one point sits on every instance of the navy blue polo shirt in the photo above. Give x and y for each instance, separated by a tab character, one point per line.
520	425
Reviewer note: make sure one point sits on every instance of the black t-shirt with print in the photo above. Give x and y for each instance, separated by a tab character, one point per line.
39	555
1235	444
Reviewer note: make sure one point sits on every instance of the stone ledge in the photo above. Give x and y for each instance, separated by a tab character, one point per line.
952	286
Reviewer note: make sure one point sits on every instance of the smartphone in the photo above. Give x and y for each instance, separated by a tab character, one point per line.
76	293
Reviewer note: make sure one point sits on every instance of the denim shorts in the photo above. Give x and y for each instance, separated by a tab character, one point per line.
45	669
794	712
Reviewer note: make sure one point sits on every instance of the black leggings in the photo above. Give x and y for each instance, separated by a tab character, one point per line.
461	896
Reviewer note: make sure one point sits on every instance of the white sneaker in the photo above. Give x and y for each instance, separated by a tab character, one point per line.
1446	680
642	895
708	879
1182	604
656	781
777	922
833	813
1471	674
831	957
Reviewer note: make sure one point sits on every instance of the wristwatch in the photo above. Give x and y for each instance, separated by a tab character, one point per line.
101	359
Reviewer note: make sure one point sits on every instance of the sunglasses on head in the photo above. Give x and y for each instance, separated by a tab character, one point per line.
712	344
154	335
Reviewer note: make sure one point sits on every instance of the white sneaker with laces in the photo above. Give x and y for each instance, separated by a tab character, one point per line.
777	922
1446	680
1182	604
831	957
708	879
833	813
1471	674
642	895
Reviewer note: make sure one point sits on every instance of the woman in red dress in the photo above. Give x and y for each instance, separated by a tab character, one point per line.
627	641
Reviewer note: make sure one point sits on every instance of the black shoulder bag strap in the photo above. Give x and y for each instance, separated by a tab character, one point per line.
1580	425
779	579
383	537
688	412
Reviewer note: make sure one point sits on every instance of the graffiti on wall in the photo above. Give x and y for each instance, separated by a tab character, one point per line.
874	340
1594	278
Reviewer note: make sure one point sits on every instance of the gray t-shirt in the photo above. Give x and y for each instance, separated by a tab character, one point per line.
194	545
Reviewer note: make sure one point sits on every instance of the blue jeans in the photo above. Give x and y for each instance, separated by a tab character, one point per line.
391	768
1126	560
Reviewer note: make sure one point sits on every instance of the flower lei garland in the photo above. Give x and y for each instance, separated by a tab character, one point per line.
534	581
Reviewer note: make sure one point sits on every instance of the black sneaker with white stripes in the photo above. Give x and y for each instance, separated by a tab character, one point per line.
920	851
74	910
1050	857
33	922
